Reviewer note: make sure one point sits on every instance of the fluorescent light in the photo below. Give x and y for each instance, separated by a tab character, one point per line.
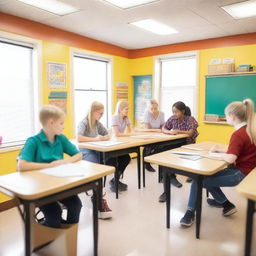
241	10
154	27
52	6
125	4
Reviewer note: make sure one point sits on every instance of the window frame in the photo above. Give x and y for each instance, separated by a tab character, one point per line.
158	75
98	57
36	79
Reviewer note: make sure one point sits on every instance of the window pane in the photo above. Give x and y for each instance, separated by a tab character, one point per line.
83	99
90	74
16	93
170	95
179	72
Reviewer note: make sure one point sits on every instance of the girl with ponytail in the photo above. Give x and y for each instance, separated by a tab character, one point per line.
240	155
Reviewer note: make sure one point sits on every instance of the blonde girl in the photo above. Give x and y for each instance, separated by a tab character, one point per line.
240	155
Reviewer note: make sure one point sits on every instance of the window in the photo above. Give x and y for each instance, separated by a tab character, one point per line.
178	81
17	92
91	83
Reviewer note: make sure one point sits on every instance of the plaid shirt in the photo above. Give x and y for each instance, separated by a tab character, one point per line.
188	123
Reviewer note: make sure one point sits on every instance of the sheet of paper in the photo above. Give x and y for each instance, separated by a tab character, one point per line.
192	148
213	155
107	143
185	153
193	158
65	170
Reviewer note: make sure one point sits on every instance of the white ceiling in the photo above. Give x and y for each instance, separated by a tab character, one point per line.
194	19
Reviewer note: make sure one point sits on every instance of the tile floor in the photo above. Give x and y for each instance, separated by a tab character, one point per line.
138	225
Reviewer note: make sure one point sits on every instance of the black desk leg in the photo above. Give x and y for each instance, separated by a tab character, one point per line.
143	167
27	210
96	194
199	205
138	166
116	177
249	225
167	188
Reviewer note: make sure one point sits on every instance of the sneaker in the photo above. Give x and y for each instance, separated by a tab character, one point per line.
213	203
228	209
122	186
189	180
188	219
176	183
162	198
106	212
149	168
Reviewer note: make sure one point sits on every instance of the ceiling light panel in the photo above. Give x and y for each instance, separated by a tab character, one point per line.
125	4
241	10
53	6
155	27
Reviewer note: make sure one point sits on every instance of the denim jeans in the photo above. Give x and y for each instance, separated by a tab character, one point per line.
224	178
94	156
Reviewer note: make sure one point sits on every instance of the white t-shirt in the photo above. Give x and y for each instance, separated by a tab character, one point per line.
155	123
120	123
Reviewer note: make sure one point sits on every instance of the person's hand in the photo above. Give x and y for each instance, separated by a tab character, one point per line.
173	132
215	148
100	138
57	162
106	137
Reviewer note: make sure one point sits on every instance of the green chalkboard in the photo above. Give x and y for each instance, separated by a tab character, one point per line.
222	90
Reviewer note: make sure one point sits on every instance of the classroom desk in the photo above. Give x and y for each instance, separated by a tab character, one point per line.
133	144
247	188
34	188
195	169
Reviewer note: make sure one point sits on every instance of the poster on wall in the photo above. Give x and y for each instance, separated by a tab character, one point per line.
56	75
58	99
142	93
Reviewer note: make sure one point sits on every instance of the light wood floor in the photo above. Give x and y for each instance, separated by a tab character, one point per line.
138	225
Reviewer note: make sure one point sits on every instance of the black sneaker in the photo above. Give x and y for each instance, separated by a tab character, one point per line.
162	198
228	209
176	183
189	180
122	186
149	168
214	203
188	219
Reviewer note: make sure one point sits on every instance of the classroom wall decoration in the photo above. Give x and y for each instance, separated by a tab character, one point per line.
142	93
58	99
122	91
56	75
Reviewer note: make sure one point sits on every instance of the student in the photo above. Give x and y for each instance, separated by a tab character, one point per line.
46	150
91	129
241	154
180	123
121	127
153	121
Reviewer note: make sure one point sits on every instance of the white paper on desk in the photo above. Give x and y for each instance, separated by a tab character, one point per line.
192	148
107	143
212	155
185	153
65	170
193	158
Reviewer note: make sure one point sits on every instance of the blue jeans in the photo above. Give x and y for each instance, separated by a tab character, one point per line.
224	178
90	155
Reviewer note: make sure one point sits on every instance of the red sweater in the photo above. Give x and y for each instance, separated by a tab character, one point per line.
241	146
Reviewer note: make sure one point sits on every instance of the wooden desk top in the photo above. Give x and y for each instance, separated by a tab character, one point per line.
35	184
205	166
247	186
138	139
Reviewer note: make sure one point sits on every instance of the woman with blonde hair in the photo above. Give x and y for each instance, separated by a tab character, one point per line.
240	155
91	129
121	127
153	121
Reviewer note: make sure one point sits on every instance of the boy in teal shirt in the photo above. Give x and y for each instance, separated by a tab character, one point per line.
46	150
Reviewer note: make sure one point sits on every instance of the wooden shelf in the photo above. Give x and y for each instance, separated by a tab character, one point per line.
233	74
